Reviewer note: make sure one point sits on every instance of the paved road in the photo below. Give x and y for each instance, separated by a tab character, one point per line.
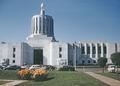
107	80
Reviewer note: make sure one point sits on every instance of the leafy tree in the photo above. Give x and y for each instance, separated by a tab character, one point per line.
5	61
115	57
102	62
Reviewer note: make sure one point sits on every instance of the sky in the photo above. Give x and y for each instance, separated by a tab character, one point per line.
74	20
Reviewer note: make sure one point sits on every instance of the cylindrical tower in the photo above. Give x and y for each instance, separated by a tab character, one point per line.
43	24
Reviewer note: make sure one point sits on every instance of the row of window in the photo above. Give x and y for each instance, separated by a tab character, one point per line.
94	49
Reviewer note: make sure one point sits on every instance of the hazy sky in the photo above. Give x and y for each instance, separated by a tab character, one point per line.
74	20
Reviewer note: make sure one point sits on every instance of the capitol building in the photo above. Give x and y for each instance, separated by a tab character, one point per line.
41	47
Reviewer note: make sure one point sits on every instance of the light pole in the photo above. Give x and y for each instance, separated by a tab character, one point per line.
74	53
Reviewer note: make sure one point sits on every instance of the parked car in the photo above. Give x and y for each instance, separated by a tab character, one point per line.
33	67
66	68
25	66
112	68
12	67
1	67
50	67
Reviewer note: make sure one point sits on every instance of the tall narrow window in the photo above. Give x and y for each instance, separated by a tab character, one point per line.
36	25
13	61
104	50
99	49
14	49
83	50
13	55
93	50
60	49
60	55
88	49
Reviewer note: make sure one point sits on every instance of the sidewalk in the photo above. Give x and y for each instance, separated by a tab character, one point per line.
107	80
13	82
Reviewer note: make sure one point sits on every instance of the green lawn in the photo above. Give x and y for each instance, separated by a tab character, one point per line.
57	78
111	75
8	74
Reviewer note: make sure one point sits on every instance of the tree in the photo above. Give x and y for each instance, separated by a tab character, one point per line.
102	62
115	57
5	61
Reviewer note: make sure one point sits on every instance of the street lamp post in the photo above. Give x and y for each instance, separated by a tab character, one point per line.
74	57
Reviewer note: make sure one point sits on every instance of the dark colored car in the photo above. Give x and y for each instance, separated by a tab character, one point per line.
13	67
1	67
50	68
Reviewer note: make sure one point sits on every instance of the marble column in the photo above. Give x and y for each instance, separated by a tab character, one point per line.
96	45
35	26
85	46
38	24
102	50
32	25
41	24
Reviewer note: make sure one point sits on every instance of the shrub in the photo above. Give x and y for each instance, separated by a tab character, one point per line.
102	62
38	74
67	68
50	68
25	74
38	77
115	57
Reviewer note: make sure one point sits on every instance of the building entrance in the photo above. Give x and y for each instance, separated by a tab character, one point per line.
38	56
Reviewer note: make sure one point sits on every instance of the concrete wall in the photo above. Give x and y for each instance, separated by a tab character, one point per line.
51	55
27	54
7	53
55	53
38	42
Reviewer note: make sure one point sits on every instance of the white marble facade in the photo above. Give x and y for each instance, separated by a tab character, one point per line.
89	52
52	52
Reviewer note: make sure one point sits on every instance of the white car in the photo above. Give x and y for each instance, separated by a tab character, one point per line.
25	67
112	68
33	67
